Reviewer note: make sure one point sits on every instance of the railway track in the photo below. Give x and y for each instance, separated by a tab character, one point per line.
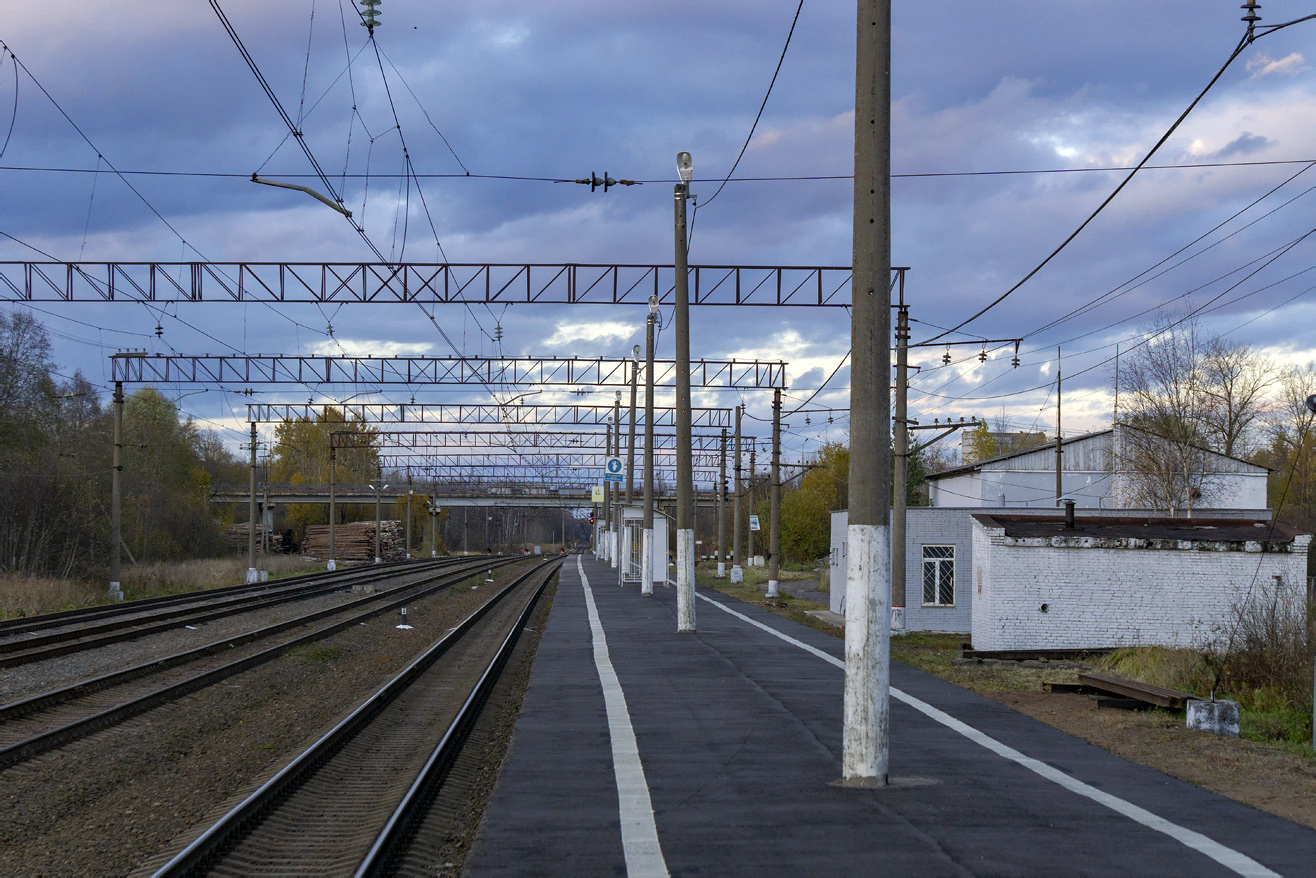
54	719
78	635
350	803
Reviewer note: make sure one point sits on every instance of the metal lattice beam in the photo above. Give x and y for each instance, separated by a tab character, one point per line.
561	442
425	413
426	283
433	371
556	460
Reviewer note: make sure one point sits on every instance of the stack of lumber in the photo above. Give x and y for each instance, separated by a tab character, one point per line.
356	541
235	535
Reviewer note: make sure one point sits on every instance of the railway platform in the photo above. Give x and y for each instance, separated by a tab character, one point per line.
641	751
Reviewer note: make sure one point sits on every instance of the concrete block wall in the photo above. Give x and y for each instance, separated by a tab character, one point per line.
1034	595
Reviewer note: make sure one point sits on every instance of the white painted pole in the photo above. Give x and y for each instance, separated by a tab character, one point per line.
685	488
866	733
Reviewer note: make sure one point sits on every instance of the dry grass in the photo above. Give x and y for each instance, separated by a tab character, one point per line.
27	596
174	577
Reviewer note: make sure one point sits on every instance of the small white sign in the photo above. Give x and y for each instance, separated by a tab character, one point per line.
613	473
753	522
596	494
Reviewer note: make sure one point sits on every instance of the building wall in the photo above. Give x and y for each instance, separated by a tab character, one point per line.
929	525
1100	597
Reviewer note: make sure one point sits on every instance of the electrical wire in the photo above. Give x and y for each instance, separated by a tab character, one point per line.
1238	50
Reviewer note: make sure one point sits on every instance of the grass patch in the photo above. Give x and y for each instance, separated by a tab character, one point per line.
316	652
22	596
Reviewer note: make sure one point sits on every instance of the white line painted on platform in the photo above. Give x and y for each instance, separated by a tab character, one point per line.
1225	856
639	834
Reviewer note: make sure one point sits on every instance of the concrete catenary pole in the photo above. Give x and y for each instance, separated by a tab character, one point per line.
900	465
646	546
607	499
333	505
630	445
379	489
774	503
685	481
866	733
722	511
753	484
410	492
735	507
115	592
616	486
252	575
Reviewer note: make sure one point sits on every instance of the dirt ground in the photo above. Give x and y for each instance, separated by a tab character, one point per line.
1272	777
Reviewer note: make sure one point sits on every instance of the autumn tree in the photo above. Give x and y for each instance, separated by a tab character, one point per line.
301	457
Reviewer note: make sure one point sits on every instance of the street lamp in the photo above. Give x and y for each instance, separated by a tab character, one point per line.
685	480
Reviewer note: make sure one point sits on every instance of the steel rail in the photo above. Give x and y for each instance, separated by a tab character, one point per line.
193	857
397	832
65	734
20	652
24	624
45	700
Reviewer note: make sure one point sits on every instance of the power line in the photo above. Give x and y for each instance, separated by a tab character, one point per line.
1238	50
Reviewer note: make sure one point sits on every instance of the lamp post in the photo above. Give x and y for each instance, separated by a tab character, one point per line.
646	544
685	480
410	493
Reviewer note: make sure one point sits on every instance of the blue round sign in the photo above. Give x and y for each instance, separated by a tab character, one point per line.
614	465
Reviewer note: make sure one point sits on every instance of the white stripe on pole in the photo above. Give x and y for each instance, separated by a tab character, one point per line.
639	834
1227	857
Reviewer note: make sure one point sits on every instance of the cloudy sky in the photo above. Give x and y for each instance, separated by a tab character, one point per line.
557	90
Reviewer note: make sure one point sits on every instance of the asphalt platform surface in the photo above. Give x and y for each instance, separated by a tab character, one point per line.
739	736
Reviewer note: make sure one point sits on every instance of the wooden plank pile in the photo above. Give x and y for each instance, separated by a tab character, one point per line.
235	535
356	541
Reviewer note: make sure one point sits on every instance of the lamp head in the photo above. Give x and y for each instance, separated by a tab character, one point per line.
653	303
685	166
635	353
618	396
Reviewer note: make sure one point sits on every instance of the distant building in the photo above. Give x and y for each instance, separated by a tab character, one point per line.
1091	475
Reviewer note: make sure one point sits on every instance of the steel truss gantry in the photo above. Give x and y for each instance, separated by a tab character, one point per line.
559	441
433	371
589	465
813	286
426	413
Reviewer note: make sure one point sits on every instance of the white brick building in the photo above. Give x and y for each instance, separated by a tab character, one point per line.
1115	581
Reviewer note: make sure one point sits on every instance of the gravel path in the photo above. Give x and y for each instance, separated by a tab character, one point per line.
126	796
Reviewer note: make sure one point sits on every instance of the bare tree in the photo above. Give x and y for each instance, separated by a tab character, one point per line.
1162	460
1236	381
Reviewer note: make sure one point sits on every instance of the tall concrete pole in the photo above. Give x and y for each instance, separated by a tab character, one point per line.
630	445
616	488
646	545
721	511
115	592
774	503
736	559
685	479
409	493
866	732
900	465
607	499
333	505
753	482
252	575
379	489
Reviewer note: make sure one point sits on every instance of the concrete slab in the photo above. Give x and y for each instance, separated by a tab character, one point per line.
739	733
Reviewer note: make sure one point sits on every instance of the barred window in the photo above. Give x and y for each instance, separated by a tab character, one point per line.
938	576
